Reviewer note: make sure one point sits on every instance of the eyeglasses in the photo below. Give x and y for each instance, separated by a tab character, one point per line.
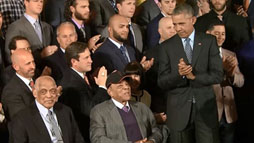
45	91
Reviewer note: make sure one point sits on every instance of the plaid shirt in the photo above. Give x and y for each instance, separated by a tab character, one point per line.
11	10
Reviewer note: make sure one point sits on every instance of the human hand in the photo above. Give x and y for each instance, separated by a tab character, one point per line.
160	117
241	11
46	71
49	50
183	68
101	78
92	43
147	64
229	65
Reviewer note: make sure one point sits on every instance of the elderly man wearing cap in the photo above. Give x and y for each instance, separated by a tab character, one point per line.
119	120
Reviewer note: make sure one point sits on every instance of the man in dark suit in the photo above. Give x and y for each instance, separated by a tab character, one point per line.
37	32
189	63
121	120
80	92
102	10
16	100
153	36
66	34
114	54
238	30
45	120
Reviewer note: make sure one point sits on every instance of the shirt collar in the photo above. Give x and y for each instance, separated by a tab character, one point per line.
25	80
43	110
116	43
30	18
79	73
191	36
62	49
79	26
120	105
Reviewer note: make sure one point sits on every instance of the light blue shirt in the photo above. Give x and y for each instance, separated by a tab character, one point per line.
192	35
120	105
30	19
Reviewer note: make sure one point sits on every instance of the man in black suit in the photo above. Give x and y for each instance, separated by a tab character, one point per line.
189	63
66	34
45	120
80	92
166	7
114	54
238	30
17	94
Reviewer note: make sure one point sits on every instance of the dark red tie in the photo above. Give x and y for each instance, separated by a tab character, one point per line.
31	84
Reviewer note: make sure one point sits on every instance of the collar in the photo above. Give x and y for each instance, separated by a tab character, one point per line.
30	18
79	26
224	14
120	105
116	43
191	36
164	15
62	49
42	109
79	73
25	80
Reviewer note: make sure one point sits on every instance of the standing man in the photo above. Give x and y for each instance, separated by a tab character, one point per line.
189	63
224	91
17	94
120	120
238	30
80	92
45	120
37	32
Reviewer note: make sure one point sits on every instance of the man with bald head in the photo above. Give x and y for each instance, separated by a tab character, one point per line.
17	93
66	34
55	120
114	54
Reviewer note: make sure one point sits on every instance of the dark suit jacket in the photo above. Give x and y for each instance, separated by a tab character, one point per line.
153	36
251	15
101	11
24	28
81	98
110	56
107	126
238	30
28	126
80	34
147	11
15	97
58	64
207	67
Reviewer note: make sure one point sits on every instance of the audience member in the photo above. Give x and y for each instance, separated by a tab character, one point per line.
45	120
66	34
153	36
79	90
187	69
114	54
203	7
121	120
126	8
12	10
17	94
238	31
1	52
147	11
101	11
38	33
136	73
224	91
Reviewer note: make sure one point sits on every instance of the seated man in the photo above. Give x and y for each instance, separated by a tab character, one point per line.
45	120
120	120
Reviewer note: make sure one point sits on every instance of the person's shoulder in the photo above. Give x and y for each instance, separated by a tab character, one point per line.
102	107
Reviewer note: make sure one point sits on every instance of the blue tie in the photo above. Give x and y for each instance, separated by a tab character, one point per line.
123	51
188	50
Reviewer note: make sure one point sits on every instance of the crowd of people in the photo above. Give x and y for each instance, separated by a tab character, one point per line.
118	71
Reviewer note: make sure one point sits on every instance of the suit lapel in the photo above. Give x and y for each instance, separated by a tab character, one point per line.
117	51
61	122
179	49
44	36
196	48
39	123
138	116
29	27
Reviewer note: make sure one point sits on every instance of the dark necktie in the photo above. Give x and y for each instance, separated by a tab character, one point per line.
55	130
113	4
123	51
83	32
131	37
125	109
188	50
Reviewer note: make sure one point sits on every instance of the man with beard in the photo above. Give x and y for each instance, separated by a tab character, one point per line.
238	31
114	54
17	94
